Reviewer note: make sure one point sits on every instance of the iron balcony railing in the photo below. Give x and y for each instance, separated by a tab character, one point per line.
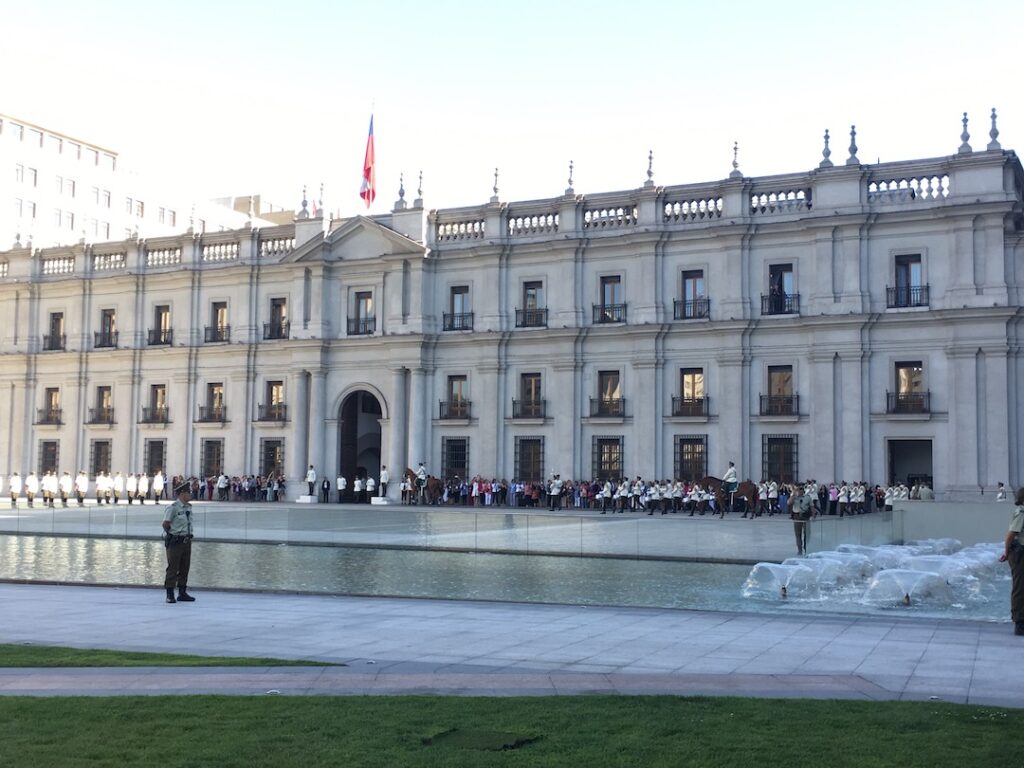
102	415
689	406
361	326
608	406
49	416
780	304
213	413
54	342
104	339
906	296
215	333
458	321
908	402
160	337
272	412
609	313
454	409
693	309
531	318
275	330
528	409
780	405
156	414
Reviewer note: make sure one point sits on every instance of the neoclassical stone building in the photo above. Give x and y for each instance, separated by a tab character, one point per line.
855	321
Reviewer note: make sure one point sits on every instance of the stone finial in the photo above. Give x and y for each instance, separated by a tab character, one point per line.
826	153
965	137
304	213
17	240
494	197
252	209
418	202
735	172
192	219
400	203
569	190
852	159
650	170
994	134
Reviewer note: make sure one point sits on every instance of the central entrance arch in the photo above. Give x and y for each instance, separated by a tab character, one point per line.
359	438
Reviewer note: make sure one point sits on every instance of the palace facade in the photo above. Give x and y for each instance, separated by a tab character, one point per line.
851	322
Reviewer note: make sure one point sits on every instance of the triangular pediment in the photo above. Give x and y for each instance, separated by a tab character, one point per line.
357	239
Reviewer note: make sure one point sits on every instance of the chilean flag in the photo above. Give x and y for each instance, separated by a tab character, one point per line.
368	189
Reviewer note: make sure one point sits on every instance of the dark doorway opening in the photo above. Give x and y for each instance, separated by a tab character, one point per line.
359	436
910	462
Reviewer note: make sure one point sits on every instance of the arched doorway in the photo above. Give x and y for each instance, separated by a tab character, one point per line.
359	438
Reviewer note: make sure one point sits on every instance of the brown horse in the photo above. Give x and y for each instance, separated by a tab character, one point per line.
430	493
747	490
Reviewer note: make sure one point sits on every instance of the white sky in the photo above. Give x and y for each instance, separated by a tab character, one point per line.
235	98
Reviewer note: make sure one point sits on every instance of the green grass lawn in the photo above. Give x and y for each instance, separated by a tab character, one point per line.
20	655
451	731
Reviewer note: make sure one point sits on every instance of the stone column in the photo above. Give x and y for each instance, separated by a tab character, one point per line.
317	414
398	454
419	418
295	447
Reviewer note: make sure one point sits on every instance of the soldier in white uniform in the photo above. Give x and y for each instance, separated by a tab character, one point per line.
143	487
31	488
371	486
49	488
158	486
118	487
342	484
15	486
81	487
384	478
67	485
131	487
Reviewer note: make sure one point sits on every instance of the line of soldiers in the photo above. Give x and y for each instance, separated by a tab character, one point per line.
109	489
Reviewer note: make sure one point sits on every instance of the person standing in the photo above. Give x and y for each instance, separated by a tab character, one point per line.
384	478
342	484
371	487
311	480
1013	552
31	488
81	487
49	488
15	486
118	487
143	493
158	486
357	489
555	493
177	527
66	486
730	484
803	509
131	487
1000	492
325	490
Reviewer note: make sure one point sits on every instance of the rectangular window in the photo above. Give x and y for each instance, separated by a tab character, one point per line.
529	459
33	177
457	406
51	399
161	214
608	385
607	458
129	205
782	298
909	377
909	289
19	173
529	387
108	328
694	303
362	320
106	198
454	458
275	392
99	457
780	380
278	311
70	187
158	395
211	458
459	299
140	208
172	218
691	383
910	395
154	456
533	295
781	399
35	138
69	220
691	459
219	314
96	195
60	185
49	456
74	150
104	398
272	457
214	408
162	317
779	456
611	290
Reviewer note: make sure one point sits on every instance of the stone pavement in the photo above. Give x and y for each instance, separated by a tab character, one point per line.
405	646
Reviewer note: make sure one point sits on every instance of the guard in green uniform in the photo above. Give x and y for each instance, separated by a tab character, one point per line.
178	540
1013	551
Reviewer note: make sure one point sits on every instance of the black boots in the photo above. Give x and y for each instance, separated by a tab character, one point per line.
170	596
185	597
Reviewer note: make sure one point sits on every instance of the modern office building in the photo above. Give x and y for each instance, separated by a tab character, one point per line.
849	322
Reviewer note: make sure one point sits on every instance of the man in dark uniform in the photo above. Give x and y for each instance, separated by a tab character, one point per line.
177	526
803	508
1013	552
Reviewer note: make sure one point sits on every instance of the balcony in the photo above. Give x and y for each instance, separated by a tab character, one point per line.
454	410
691	310
780	304
272	412
613	407
49	416
528	409
908	402
531	318
275	330
104	339
780	405
101	415
160	337
363	326
213	413
213	334
156	414
458	321
906	296
54	342
690	406
609	313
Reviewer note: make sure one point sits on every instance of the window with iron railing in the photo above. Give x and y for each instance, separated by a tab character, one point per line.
692	310
217	333
902	296
531	318
272	412
101	415
276	330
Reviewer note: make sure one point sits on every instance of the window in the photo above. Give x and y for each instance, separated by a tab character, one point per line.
103	413
140	208
781	298
158	396
172	218
460	316
611	309
19	207
96	195
459	299
108	328
161	334
106	198
273	408
99	457
691	400
780	399
19	173
49	456
129	205
910	395
779	458
33	177
55	339
362	322
609	395
693	304
156	411
69	220
454	458
92	156
277	328
214	408
534	314
161	214
457	406
275	392
218	330
530	404
70	187
909	289
607	458
60	185
154	456
529	459
272	457
691	459
50	413
211	459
